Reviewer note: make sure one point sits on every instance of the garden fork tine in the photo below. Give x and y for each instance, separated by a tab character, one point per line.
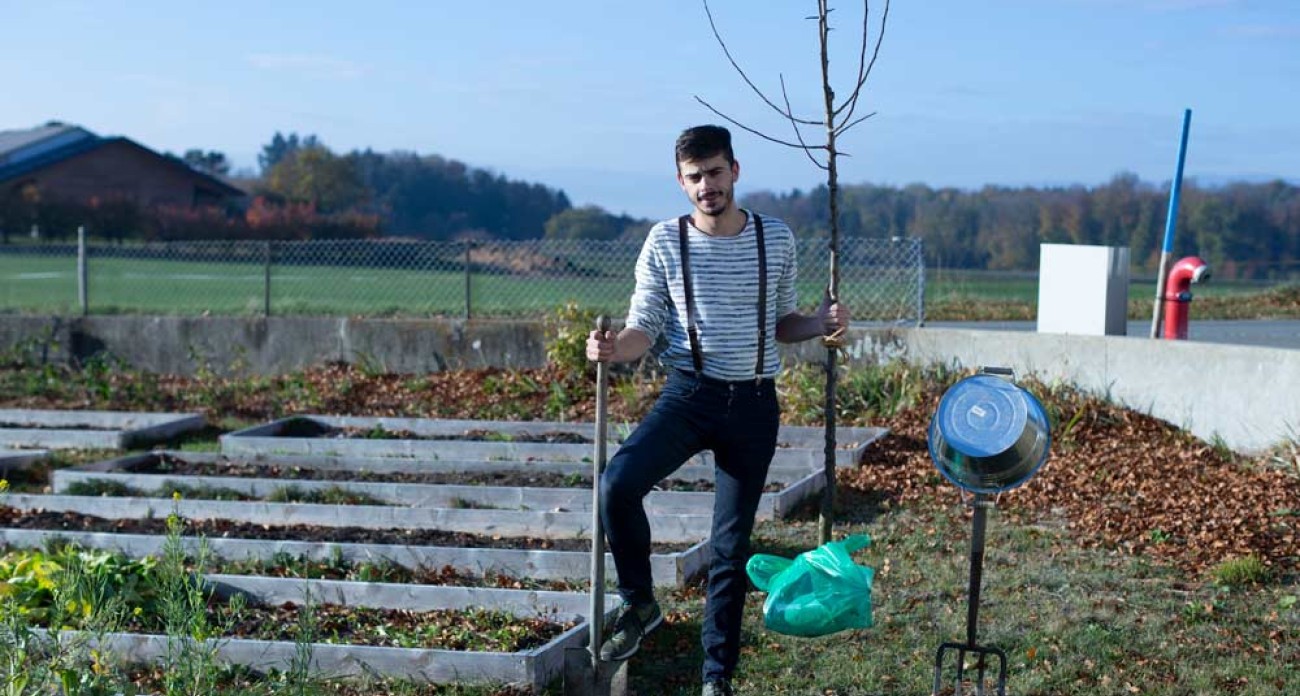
982	653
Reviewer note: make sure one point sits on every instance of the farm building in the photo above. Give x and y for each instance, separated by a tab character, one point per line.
58	162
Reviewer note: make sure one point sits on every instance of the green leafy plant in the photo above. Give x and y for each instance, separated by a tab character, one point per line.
567	329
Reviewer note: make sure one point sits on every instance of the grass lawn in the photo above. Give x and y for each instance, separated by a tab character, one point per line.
1071	620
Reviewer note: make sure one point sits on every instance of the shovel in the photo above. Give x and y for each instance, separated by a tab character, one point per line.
980	655
585	674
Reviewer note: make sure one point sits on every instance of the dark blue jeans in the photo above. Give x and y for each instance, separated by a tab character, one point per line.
738	421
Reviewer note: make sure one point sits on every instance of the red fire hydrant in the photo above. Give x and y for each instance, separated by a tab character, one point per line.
1178	294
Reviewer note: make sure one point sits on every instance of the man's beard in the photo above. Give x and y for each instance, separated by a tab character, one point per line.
720	201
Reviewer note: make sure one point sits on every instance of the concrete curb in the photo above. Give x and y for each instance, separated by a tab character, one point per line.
778	473
16	460
411	597
92	429
506	523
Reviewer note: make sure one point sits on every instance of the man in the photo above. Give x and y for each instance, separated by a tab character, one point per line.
719	284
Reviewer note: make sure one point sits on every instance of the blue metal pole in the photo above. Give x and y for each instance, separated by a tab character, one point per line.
1157	313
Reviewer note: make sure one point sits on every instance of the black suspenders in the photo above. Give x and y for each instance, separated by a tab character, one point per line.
692	331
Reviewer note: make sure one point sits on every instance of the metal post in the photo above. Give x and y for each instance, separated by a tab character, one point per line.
468	263
920	285
978	523
82	289
266	283
1157	311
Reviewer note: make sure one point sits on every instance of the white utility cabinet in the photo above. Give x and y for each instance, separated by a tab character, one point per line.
1083	289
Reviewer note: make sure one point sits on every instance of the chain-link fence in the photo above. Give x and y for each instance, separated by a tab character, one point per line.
882	280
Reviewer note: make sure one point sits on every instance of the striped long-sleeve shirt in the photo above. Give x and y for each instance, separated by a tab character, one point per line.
724	281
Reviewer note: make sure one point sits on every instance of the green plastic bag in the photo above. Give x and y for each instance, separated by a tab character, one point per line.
820	592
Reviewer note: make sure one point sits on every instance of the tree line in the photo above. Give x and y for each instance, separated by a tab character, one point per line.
1244	230
412	195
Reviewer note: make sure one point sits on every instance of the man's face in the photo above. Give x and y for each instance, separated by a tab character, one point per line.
709	183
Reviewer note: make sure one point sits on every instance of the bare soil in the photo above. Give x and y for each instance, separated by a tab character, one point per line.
512	476
472	629
307	428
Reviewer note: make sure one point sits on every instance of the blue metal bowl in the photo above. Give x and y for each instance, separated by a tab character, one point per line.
988	435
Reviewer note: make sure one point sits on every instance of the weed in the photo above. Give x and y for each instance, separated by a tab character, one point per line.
334	495
865	393
101	487
370	365
299	672
1286	454
1240	572
558	401
190	663
567	329
1221	448
458	503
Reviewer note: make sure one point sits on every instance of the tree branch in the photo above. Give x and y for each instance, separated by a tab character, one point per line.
864	73
840	130
862	57
745	77
764	136
786	96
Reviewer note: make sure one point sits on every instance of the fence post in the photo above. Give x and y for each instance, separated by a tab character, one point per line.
920	286
82	290
469	245
266	282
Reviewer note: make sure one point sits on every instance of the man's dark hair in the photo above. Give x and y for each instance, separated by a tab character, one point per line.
703	142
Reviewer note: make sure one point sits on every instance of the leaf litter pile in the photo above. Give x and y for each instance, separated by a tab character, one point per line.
1120	480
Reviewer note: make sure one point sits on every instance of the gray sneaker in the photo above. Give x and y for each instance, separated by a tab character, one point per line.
631	624
717	687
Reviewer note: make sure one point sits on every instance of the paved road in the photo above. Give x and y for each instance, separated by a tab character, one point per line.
1268	333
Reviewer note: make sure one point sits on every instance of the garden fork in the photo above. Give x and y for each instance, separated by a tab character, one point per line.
585	674
981	654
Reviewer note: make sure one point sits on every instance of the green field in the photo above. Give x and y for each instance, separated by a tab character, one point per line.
45	285
48	285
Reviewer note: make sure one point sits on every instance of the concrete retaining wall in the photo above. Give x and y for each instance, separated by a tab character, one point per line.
183	345
1241	395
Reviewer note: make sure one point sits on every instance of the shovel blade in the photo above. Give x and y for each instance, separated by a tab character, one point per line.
582	679
972	670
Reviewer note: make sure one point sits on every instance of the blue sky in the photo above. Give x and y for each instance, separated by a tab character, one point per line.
588	96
